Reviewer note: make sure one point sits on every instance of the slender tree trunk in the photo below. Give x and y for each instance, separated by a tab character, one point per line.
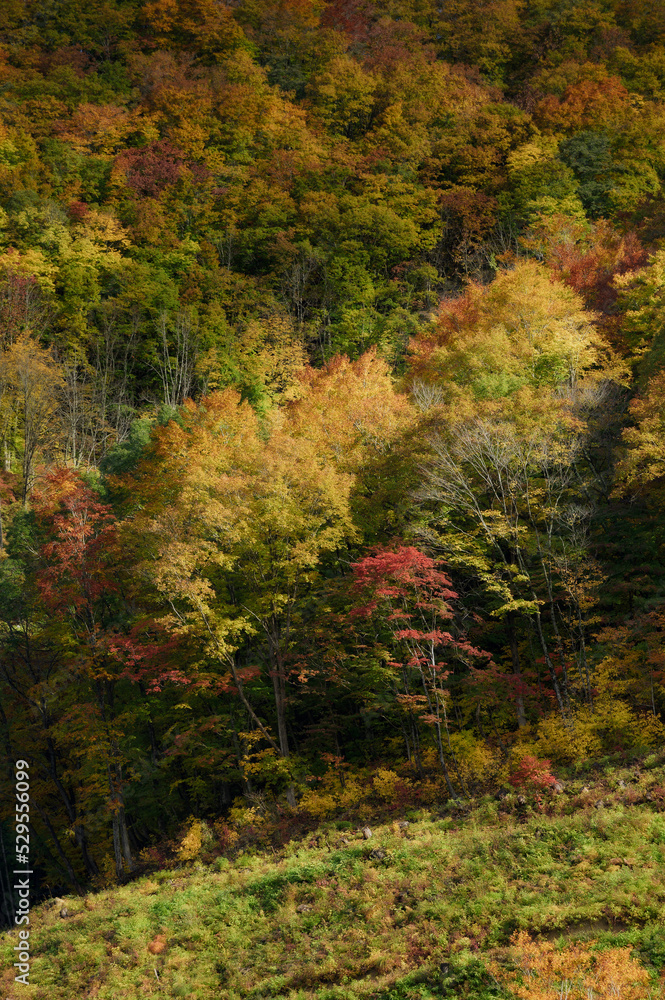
515	657
229	660
550	665
121	848
124	839
406	739
117	853
416	744
82	842
536	618
435	712
279	689
584	660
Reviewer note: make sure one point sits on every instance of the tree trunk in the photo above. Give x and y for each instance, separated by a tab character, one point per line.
124	838
279	688
515	658
122	821
82	841
8	910
121	848
117	853
434	711
550	666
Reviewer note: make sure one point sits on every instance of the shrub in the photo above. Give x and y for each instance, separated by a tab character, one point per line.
611	726
390	788
226	836
532	775
192	843
567	742
336	791
479	763
576	972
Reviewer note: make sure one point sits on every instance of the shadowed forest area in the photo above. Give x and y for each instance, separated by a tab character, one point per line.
332	419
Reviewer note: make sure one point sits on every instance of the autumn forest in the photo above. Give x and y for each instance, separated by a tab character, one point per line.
332	409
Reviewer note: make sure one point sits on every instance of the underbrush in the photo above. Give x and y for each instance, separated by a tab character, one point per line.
441	901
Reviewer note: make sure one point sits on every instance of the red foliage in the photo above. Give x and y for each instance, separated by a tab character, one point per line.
408	588
589	263
468	217
492	685
586	104
381	42
151	169
79	576
351	16
462	313
20	301
147	655
389	43
226	837
8	486
77	211
393	572
532	774
80	532
71	56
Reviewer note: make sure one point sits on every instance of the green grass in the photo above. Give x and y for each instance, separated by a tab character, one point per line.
334	923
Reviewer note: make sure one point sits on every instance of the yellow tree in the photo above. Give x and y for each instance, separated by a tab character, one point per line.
525	330
230	526
349	409
643	326
643	461
204	25
515	371
31	383
354	415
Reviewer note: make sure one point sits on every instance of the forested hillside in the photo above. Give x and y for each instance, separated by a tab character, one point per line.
332	410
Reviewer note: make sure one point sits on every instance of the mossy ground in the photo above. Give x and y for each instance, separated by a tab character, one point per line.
410	913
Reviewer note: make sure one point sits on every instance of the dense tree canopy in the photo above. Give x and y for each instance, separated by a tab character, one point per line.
332	401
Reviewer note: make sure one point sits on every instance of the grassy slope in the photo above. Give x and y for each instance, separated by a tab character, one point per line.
329	920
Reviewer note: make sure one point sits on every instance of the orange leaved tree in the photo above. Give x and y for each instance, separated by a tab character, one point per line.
228	526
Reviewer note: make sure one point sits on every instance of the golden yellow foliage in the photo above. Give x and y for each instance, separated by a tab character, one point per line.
241	815
589	730
349	410
477	760
106	128
575	972
191	843
385	783
525	330
336	792
644	458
